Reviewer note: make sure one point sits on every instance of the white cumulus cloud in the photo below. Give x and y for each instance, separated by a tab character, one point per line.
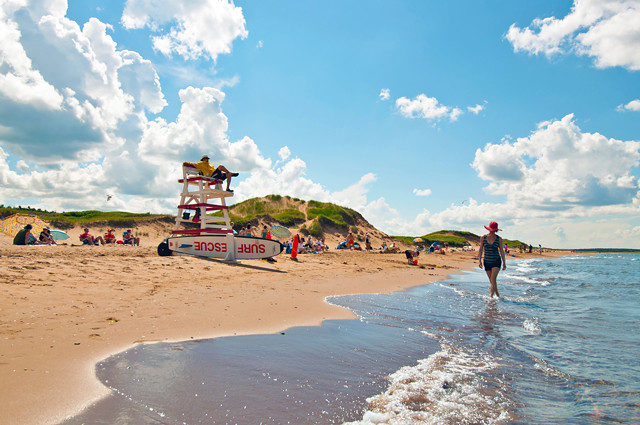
423	106
384	94
66	91
559	168
476	109
634	106
189	28
606	30
284	153
422	192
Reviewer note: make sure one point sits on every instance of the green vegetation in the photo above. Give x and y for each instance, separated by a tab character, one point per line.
446	237
408	240
454	238
283	209
73	217
340	216
515	243
67	220
289	217
315	229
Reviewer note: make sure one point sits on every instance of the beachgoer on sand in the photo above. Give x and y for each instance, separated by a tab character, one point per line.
266	234
22	237
46	238
209	170
350	240
129	239
109	237
491	247
367	242
87	239
410	254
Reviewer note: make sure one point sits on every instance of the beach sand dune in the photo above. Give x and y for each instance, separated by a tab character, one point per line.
64	308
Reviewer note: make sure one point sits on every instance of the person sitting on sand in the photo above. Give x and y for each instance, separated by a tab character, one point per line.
109	237
22	237
209	170
46	238
410	254
87	239
129	239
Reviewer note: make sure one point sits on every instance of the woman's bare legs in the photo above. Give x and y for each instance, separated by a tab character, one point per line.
493	281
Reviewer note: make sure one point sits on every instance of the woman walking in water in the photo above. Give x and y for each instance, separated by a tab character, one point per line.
491	246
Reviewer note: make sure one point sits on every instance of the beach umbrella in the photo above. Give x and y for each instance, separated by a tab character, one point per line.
418	240
280	232
58	235
12	224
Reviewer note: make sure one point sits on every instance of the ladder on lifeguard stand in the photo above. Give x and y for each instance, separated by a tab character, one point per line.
202	194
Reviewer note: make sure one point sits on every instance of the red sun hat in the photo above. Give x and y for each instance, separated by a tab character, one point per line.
492	227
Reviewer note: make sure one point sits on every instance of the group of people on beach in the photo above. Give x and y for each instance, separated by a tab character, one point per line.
109	238
25	237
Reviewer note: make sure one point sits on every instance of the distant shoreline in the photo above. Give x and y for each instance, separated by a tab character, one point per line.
600	250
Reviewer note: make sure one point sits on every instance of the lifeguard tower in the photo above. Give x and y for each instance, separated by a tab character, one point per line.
201	195
210	236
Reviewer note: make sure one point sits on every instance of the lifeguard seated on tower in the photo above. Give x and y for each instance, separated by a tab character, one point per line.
209	170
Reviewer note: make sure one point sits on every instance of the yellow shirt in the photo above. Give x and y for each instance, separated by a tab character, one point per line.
206	168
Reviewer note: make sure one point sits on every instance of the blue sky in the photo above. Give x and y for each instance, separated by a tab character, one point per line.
420	115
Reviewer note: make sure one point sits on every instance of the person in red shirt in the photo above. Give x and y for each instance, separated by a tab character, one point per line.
88	239
109	237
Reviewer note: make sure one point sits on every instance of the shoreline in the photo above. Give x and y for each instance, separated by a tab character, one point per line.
66	308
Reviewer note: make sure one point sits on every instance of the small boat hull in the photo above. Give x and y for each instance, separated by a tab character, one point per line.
220	246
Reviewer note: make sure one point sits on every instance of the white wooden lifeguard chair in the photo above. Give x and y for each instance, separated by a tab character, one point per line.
213	237
202	194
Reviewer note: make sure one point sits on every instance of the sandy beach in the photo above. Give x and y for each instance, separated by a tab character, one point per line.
64	308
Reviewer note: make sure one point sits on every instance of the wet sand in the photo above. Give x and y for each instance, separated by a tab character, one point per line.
65	308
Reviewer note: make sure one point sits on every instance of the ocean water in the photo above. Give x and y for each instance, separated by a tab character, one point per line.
561	346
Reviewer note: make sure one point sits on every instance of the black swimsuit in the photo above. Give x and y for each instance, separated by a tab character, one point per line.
491	253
